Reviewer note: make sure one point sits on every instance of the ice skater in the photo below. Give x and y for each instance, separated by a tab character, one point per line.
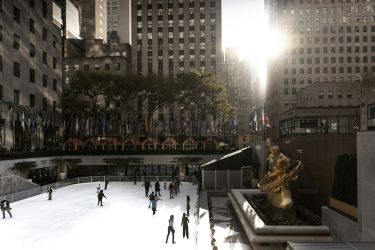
171	190
185	226
100	197
157	188
147	185
98	189
107	181
170	229
165	184
150	198
5	206
154	203
49	191
187	205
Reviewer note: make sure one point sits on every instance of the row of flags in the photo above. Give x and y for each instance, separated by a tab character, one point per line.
259	121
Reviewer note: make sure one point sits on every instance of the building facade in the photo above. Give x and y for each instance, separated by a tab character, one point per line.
30	75
176	36
93	18
328	41
119	19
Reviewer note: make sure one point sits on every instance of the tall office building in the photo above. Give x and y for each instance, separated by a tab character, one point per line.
330	42
30	74
93	18
171	36
119	19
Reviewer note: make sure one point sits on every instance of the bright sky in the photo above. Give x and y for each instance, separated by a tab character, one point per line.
245	26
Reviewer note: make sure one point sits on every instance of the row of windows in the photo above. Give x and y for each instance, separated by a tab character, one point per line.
324	40
170	5
334	70
325	51
325	30
86	67
324	79
32	100
330	10
325	60
325	1
17	13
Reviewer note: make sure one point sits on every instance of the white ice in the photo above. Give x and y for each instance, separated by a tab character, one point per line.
72	220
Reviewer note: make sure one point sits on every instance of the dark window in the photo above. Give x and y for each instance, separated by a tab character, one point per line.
32	50
1	92
54	106
16	96
54	41
1	63
54	62
106	66
44	57
45	81
16	69
32	101
32	75
117	66
45	33
1	33
86	67
45	9
32	3
16	41
16	15
54	85
32	25
44	103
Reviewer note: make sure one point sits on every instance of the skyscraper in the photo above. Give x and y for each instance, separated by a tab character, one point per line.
176	35
330	41
118	19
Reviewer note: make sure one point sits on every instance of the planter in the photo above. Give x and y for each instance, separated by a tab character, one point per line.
344	207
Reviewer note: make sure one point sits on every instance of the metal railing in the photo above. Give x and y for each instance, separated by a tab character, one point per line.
13	197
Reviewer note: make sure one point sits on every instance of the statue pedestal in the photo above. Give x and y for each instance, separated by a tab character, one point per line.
262	236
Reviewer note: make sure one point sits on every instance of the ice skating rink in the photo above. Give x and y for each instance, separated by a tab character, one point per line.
72	220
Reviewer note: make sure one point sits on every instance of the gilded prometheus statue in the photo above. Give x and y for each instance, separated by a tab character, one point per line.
275	182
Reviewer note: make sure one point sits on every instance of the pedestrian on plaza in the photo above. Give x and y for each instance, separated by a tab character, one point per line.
170	229
171	190
106	182
165	184
98	189
175	186
49	191
5	206
185	226
187	205
100	197
157	187
150	198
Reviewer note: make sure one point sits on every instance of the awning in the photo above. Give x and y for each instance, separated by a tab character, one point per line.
233	161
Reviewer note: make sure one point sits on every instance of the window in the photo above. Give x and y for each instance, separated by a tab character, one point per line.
86	67
45	81
66	80
16	42
45	33
44	103
349	94
97	67
32	50
54	41
44	57
45	9
54	85
1	63
117	66
106	67
32	3
16	15
54	62
320	95
16	69
32	75
1	33
32	25
32	101
16	97
330	94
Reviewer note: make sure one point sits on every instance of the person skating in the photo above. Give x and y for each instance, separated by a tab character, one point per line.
106	182
187	205
157	188
5	206
171	190
150	198
100	197
154	203
170	229
178	185
175	184
185	226
165	184
49	191
147	185
98	189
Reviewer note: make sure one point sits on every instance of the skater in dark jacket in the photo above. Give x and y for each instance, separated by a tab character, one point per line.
154	203
171	190
49	191
4	205
106	182
185	226
150	198
147	185
100	197
187	205
170	229
157	188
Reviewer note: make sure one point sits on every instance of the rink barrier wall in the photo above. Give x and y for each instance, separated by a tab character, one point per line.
43	189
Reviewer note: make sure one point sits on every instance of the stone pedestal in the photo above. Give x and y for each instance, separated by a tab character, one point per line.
262	236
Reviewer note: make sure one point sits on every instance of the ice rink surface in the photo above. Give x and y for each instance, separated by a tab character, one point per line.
72	220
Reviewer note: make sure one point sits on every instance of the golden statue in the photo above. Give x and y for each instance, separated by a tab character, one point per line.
275	182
